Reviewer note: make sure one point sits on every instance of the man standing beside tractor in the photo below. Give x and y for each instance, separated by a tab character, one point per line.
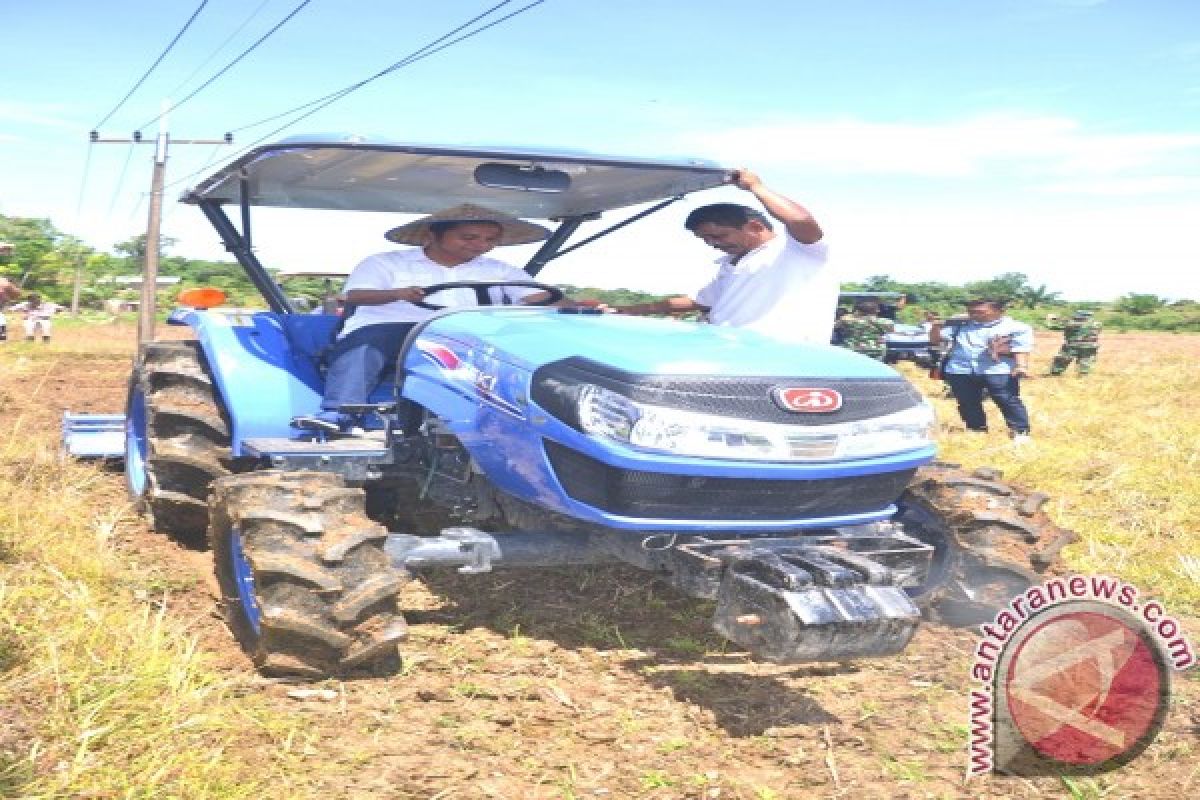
779	285
1081	342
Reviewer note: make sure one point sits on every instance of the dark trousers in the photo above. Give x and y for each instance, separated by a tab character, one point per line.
358	361
1005	391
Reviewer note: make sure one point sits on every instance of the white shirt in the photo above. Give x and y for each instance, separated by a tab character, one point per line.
44	311
784	289
411	267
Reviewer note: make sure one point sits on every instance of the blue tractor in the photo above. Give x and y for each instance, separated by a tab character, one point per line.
793	486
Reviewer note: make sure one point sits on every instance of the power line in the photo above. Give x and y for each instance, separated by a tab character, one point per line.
228	66
418	54
87	163
121	179
219	48
408	59
400	64
157	61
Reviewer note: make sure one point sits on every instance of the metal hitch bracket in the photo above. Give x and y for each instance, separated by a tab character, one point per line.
817	603
831	596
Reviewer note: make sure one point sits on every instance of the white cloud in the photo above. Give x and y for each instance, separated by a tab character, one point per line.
1127	187
1087	254
997	145
39	114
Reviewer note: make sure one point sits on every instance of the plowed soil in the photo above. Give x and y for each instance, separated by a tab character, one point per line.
603	682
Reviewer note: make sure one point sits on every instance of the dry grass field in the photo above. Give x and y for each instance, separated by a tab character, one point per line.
118	679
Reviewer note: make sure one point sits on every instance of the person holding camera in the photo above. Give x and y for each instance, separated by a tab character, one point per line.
988	354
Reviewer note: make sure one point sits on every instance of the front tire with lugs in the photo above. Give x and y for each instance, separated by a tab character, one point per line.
991	540
307	587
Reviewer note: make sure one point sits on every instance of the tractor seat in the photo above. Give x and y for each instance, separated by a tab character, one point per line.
311	336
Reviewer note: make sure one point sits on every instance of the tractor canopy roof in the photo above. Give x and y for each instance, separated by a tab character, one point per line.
351	173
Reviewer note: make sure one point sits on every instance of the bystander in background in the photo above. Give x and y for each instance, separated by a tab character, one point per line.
1081	342
989	354
863	330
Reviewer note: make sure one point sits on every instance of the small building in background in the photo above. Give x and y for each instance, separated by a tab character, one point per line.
130	288
135	281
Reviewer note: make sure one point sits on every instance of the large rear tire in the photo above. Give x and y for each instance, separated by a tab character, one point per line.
991	541
307	587
176	437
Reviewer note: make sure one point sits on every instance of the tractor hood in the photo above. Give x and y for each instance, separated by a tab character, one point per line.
531	338
352	173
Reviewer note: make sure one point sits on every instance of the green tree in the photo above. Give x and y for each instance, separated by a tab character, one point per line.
882	283
134	249
1140	304
32	241
1034	296
1007	287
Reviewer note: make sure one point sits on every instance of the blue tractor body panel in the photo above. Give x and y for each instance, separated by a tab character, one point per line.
529	338
262	378
473	369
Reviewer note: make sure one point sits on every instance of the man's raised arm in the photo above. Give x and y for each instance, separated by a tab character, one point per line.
799	221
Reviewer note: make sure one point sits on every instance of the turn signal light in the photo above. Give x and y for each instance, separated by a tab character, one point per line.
202	297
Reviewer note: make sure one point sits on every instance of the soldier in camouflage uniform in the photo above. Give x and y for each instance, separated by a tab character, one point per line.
1081	342
863	330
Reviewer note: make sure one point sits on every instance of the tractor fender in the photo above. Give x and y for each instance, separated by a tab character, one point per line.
262	379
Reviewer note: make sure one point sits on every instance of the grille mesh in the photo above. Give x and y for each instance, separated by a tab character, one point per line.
654	495
743	397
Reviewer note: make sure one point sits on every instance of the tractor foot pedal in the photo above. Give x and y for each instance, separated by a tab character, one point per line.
324	425
813	604
358	409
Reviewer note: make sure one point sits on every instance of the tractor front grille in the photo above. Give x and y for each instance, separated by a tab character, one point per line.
656	495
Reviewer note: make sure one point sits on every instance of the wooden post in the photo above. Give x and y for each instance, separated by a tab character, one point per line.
149	302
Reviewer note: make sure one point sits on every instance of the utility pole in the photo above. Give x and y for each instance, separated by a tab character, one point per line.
147	308
75	292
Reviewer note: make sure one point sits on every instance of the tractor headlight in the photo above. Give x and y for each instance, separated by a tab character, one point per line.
611	415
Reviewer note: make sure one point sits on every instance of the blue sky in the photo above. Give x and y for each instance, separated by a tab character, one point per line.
934	139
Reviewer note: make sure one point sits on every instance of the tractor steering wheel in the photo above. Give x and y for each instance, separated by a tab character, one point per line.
484	297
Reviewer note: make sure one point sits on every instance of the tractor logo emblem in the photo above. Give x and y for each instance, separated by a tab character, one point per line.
806	400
